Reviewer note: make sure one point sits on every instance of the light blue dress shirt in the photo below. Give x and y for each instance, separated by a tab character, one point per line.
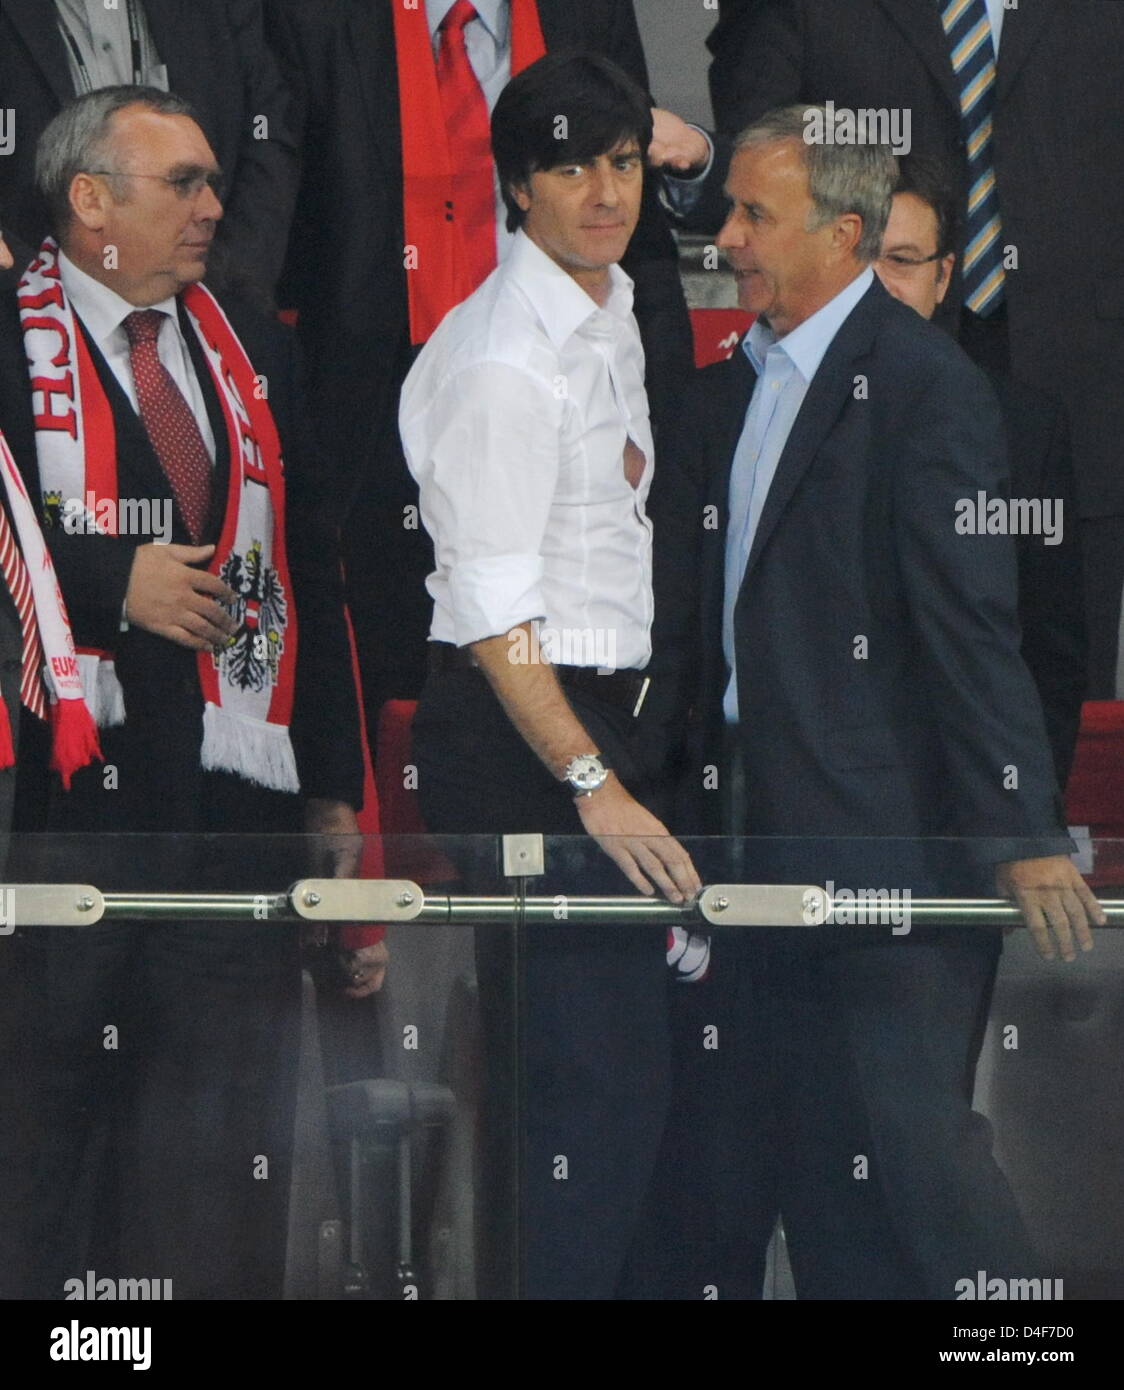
785	368
488	42
995	14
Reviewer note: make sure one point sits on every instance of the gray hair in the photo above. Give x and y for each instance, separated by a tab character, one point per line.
76	142
843	178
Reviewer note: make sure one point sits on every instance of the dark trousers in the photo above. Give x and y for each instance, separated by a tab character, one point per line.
1102	560
152	1122
162	1065
593	998
833	1089
837	1100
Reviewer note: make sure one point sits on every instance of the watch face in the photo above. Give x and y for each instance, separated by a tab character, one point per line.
585	774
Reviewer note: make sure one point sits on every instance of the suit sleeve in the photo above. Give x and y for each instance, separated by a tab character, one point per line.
758	61
962	594
325	727
652	259
1051	608
254	231
758	64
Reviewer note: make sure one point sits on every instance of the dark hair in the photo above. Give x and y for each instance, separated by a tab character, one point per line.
567	108
931	178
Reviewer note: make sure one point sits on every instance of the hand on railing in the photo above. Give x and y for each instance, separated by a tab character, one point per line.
638	842
1052	896
361	971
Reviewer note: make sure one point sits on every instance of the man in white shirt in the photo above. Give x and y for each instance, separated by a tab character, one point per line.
525	423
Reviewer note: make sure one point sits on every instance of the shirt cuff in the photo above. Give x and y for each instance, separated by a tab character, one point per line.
491	596
681	192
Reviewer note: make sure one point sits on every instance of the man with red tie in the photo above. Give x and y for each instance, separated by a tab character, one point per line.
149	423
399	219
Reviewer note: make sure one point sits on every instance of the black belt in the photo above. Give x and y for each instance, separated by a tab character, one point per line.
625	690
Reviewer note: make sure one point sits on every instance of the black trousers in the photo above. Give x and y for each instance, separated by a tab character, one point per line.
836	1098
824	1075
151	1127
592	1002
1102	560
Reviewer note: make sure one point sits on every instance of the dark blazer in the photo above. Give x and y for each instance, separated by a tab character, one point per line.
1051	613
857	541
345	271
1058	162
158	747
217	60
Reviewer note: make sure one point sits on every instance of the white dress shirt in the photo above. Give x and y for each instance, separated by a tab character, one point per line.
104	312
514	419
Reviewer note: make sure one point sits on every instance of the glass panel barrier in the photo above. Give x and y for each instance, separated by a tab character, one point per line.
842	1069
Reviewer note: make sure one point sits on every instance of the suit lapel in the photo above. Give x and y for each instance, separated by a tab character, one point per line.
725	404
831	389
1022	28
39	30
170	36
919	21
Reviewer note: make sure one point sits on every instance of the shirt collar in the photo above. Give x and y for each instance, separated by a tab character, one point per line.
101	309
495	15
807	344
560	302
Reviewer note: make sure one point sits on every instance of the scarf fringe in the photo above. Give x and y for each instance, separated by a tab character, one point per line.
74	738
102	689
250	748
7	746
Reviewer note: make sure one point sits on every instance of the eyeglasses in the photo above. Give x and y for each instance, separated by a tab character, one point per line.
187	186
898	264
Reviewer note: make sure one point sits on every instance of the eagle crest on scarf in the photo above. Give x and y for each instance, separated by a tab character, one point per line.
252	655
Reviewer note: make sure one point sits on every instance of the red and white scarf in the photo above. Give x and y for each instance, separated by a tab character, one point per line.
248	687
74	738
438	280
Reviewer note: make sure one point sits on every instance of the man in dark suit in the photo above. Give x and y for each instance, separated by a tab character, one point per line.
211	52
204	739
1048	76
916	265
861	677
346	272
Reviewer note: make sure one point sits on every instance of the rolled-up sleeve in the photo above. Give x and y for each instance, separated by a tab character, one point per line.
485	453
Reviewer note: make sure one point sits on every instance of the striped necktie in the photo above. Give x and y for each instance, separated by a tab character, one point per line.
32	692
973	61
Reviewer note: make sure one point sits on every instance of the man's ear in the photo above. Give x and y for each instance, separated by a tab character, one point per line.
90	197
944	276
521	192
846	234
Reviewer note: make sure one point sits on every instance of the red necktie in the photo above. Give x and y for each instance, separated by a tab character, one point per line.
470	144
18	580
171	426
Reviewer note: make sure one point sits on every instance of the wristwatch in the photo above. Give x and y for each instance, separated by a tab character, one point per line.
586	773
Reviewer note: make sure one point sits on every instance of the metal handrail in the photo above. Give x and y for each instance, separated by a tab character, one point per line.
389	901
